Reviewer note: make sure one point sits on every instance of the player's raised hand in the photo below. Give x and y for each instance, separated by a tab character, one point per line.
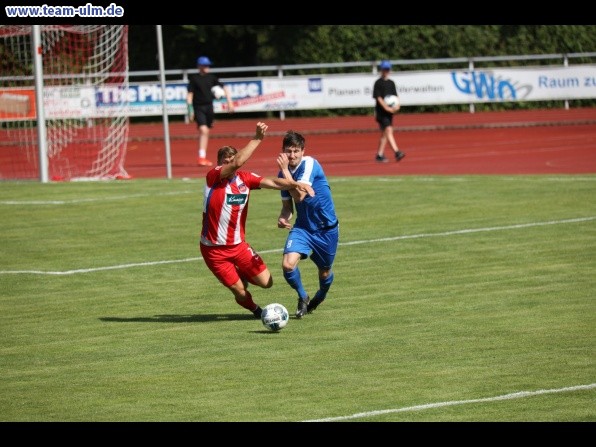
261	130
282	161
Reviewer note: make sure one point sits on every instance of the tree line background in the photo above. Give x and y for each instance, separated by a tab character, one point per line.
254	45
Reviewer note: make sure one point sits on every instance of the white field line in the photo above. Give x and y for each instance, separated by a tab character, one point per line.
98	199
367	241
518	395
568	178
435	178
474	230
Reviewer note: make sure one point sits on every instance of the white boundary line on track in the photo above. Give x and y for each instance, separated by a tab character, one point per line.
385	239
518	395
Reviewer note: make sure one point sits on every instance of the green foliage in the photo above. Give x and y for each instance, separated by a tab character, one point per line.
448	289
255	45
251	45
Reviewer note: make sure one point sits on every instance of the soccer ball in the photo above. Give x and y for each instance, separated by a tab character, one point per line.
218	91
275	317
391	100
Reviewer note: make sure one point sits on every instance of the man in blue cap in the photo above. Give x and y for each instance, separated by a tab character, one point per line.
383	87
200	104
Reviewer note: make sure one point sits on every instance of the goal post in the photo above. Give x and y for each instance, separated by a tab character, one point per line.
84	140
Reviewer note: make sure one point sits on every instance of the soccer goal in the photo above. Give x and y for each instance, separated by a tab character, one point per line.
84	140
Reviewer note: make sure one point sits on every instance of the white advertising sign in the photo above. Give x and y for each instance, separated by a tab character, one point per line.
332	91
69	102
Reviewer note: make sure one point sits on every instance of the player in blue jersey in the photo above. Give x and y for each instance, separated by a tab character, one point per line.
316	229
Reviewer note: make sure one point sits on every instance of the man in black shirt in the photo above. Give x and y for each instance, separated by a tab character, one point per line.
382	88
200	104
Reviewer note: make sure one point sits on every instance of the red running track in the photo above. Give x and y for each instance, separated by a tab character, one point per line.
554	141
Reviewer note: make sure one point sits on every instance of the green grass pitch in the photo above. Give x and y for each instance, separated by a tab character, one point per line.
456	298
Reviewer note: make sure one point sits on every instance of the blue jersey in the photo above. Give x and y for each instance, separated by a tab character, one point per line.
318	212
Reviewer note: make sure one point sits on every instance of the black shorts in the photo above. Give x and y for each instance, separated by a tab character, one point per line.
204	115
384	119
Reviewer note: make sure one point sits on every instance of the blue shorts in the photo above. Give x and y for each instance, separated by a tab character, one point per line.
321	246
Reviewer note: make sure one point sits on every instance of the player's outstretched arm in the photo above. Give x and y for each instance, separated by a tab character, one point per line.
244	154
287	185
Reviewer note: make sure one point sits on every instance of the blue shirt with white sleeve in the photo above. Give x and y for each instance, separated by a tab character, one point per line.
318	212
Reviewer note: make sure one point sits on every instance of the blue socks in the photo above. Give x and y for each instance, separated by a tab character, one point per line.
324	285
294	280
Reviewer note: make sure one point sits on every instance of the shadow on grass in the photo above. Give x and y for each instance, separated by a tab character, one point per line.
203	318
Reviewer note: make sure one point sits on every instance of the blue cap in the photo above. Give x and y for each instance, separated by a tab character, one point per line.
385	65
203	60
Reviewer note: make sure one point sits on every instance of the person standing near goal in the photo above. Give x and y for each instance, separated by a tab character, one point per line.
225	209
199	101
384	86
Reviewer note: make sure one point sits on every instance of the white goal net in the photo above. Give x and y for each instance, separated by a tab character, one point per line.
84	140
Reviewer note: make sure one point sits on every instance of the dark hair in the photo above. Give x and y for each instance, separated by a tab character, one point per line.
224	152
293	139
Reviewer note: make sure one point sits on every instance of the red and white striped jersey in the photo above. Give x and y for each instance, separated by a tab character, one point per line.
225	206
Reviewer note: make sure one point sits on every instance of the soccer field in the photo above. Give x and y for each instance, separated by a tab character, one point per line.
456	298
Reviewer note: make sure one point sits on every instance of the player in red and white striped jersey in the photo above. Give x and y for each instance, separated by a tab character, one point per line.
225	208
